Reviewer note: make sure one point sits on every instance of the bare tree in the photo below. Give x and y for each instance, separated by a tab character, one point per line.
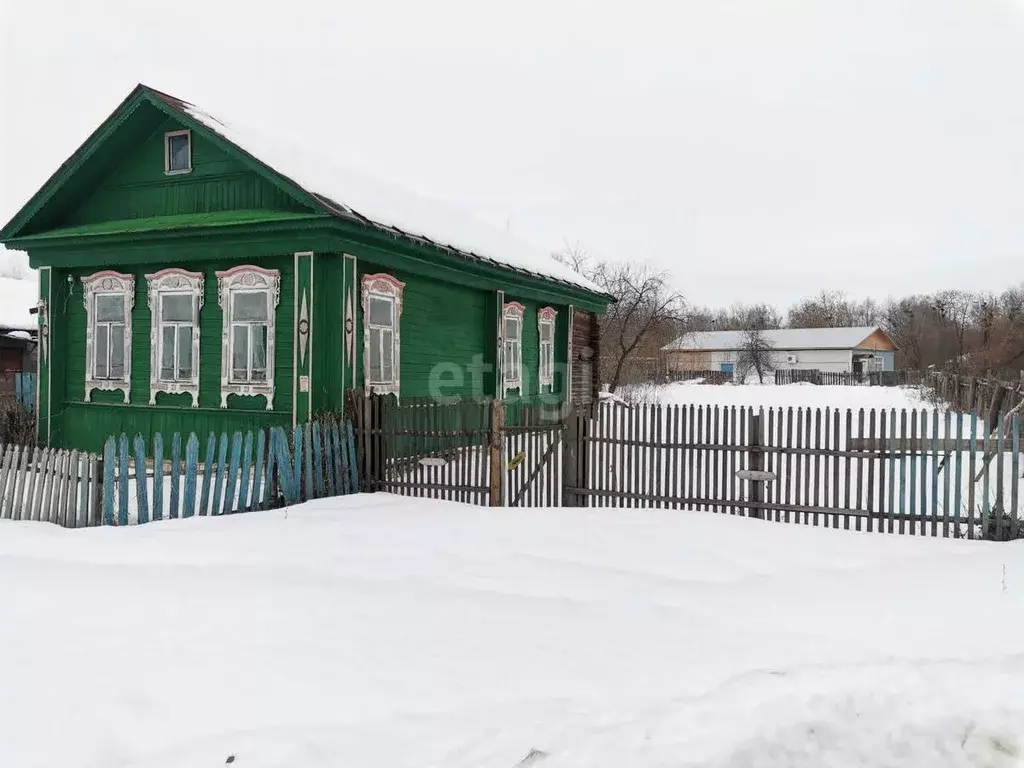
755	353
832	309
646	315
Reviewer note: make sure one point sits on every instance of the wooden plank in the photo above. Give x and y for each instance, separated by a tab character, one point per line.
798	474
317	480
971	466
188	501
912	508
97	468
872	491
923	474
21	479
209	468
885	468
245	479
123	483
231	486
256	502
58	497
109	461
81	507
219	478
307	436
986	508
272	487
934	473
999	509
294	493
814	499
175	503
71	498
1015	521
32	484
158	476
748	504
947	425
141	489
41	508
860	468
342	457
958	477
6	474
328	430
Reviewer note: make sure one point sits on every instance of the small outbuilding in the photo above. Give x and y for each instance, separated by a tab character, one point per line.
858	350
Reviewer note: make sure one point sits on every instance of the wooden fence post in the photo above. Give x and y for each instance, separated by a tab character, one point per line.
756	461
570	445
497	485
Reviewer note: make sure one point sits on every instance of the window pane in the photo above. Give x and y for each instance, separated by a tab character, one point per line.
545	331
109	309
178	152
184	351
167	353
511	328
258	334
240	353
249	306
176	307
116	351
375	362
387	364
100	351
380	311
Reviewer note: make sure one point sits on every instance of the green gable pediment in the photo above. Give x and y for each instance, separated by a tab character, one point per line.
118	174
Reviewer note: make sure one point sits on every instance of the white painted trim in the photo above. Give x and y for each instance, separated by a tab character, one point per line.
348	320
568	357
513	310
167	153
173	281
42	348
546	316
499	352
111	283
248	278
312	312
383	286
295	341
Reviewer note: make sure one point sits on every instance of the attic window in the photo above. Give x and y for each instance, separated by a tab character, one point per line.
178	152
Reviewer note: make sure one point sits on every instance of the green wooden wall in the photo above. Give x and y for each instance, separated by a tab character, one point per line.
86	425
137	187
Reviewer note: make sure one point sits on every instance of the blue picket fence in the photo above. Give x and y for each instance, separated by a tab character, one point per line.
238	473
25	390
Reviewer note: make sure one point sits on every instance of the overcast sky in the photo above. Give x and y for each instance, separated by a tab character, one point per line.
758	149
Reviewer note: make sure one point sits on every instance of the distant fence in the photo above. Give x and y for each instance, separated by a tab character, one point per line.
971	394
136	482
848	378
707	377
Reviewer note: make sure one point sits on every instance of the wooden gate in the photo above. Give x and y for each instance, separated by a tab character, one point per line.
532	447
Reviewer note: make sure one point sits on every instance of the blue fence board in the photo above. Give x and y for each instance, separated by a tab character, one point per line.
191	469
175	474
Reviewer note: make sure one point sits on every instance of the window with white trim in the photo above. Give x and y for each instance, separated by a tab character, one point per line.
248	297
109	297
546	331
512	346
177	152
382	312
175	298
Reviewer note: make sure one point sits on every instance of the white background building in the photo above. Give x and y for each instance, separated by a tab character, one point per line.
862	349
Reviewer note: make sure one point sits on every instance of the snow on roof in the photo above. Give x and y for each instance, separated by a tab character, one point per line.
354	193
786	338
17	297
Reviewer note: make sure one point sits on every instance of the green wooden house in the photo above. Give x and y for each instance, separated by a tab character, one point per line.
198	277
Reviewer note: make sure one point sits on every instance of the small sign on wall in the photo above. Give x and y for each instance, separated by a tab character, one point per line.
303	383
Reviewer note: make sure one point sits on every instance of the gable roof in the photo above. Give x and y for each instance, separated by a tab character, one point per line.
338	191
784	339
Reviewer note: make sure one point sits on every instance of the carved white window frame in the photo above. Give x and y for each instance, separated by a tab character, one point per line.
171	282
546	357
108	283
383	286
247	278
512	364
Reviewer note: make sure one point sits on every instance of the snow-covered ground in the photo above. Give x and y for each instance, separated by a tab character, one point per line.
789	395
375	631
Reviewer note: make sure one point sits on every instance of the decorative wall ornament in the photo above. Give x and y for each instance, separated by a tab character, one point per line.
303	329
103	284
385	287
247	279
173	281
